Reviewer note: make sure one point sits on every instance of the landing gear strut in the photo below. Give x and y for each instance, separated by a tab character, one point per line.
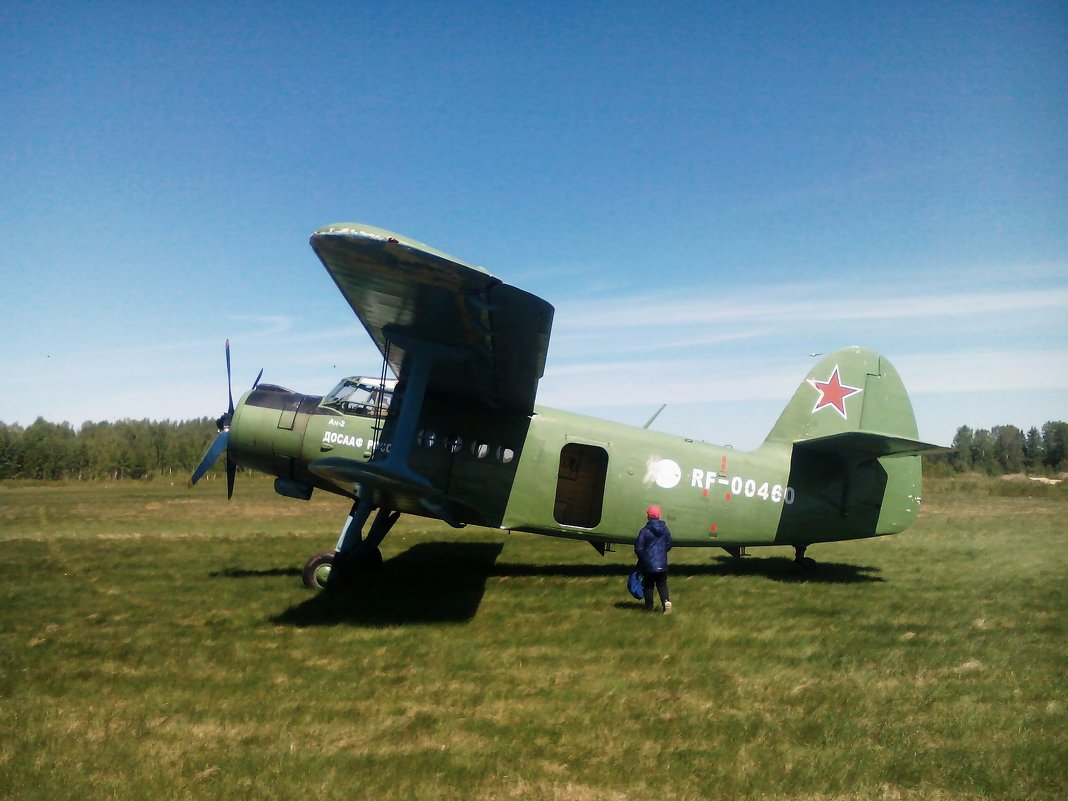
354	552
802	562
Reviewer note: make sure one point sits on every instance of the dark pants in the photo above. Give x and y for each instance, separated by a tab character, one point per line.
660	580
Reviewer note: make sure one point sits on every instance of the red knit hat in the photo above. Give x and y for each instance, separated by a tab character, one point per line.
653	512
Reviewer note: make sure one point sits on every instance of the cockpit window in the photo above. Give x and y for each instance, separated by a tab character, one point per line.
363	396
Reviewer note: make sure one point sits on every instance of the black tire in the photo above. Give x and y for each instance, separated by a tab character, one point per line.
317	570
371	561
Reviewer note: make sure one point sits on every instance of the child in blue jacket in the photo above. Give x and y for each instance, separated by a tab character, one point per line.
652	545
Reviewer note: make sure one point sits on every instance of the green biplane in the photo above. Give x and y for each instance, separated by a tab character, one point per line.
457	434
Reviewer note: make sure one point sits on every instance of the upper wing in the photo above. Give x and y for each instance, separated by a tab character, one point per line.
399	286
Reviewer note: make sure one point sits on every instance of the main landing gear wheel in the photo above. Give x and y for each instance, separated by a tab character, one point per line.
317	570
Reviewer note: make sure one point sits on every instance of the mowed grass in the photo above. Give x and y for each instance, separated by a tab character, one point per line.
157	643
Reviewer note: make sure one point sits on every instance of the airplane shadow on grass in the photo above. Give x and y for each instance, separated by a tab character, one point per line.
775	568
433	582
780	568
443	582
237	572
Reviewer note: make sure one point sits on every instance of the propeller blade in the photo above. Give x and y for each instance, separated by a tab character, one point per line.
229	383
256	383
222	441
231	473
211	455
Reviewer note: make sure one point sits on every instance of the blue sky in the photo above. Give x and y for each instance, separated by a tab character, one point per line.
707	192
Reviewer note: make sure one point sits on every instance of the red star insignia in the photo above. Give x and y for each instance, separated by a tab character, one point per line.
833	393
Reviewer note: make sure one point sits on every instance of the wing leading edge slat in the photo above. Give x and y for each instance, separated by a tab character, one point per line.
395	284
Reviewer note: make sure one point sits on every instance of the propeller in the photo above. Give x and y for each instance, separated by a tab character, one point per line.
222	439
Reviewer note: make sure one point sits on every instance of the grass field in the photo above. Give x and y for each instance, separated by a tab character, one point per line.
157	643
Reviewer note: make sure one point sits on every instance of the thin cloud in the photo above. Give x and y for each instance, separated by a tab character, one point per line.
634	340
986	370
872	304
265	325
620	383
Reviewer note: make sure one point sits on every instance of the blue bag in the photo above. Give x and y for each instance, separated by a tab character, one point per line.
634	585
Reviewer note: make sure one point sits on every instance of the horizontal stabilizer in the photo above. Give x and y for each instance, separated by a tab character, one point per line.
866	443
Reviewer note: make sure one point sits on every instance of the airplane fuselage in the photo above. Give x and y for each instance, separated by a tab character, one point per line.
568	475
458	437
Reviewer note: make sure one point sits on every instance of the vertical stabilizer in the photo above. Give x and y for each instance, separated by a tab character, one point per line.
854	455
850	390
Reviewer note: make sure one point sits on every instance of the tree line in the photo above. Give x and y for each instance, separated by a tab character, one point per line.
122	449
143	449
1002	450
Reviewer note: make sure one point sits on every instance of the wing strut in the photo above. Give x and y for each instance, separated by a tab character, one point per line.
388	472
380	402
411	389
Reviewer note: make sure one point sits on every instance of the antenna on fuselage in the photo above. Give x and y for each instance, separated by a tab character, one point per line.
656	414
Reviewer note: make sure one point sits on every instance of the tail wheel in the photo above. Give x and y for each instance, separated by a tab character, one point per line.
317	570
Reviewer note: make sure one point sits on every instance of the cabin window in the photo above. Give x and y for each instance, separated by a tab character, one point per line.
453	443
479	450
505	455
426	438
361	396
580	485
